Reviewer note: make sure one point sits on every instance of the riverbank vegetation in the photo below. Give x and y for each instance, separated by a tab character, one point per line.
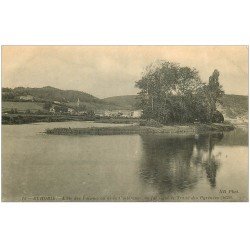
141	130
11	119
15	118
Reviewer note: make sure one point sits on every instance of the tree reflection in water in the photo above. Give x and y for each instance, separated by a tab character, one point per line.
204	146
177	163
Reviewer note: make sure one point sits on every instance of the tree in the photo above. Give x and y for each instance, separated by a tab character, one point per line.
214	90
61	109
167	92
170	93
12	111
90	113
47	105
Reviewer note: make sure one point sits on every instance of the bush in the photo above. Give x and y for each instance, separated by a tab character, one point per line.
218	117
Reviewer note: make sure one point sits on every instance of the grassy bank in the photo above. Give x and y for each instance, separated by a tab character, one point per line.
136	129
26	118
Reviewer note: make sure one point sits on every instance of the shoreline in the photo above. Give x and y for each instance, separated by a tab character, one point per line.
18	119
143	130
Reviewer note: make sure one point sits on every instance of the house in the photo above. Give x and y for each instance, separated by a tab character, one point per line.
107	113
118	113
71	111
82	112
56	102
27	98
136	113
52	110
112	113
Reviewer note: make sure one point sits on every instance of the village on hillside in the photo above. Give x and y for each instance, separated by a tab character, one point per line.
19	108
28	104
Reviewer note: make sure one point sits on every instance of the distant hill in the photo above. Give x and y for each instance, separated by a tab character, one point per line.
53	94
126	101
234	107
68	97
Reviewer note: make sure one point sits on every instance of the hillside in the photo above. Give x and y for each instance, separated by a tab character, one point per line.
45	94
52	94
234	108
127	101
235	105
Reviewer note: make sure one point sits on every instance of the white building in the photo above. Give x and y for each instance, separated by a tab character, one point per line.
52	110
136	113
82	112
71	111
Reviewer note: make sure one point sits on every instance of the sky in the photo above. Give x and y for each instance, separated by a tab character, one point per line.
105	71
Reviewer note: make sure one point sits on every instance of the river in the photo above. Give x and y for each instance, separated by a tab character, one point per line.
37	166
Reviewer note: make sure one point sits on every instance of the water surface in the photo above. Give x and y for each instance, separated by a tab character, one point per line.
37	166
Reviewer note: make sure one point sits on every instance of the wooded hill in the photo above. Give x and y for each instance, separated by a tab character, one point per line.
50	94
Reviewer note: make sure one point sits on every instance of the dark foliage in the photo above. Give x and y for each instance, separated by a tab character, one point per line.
218	117
170	93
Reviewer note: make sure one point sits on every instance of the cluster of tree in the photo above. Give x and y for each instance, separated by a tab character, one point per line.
9	95
62	108
170	93
58	108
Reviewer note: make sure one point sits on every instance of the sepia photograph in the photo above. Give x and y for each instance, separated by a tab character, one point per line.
125	123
